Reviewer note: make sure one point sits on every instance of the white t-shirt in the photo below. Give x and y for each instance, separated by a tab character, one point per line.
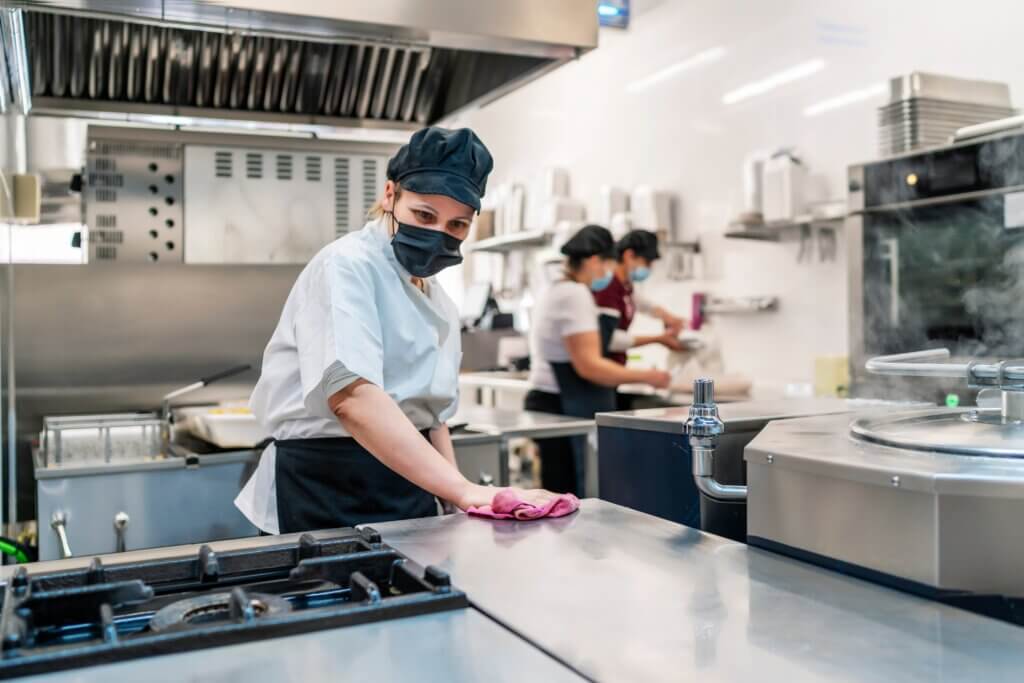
567	308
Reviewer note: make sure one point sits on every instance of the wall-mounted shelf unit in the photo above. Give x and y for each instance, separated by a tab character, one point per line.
693	247
773	232
502	244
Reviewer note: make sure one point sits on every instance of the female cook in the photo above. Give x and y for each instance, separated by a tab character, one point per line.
361	373
570	373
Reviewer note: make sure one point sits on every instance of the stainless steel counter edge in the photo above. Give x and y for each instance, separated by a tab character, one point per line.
741	415
822	446
131	556
172	463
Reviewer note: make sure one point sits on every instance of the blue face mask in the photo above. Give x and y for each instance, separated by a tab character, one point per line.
601	282
639	274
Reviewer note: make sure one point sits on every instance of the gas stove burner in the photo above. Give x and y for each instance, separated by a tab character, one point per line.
143	607
218	608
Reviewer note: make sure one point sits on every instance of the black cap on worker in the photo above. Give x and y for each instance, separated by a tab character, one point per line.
590	240
644	244
453	163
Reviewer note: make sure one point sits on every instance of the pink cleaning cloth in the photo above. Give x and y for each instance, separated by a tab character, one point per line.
507	505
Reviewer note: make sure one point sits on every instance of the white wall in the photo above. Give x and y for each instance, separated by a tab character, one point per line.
679	135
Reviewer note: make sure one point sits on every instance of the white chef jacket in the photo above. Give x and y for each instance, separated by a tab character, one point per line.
352	314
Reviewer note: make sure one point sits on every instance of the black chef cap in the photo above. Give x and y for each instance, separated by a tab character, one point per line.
644	244
590	240
454	163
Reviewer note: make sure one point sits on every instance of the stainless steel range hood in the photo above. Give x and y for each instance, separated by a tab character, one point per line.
391	63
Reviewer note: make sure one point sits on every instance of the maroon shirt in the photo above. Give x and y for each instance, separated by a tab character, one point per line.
619	296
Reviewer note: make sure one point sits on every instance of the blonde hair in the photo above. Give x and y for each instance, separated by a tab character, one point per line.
377	210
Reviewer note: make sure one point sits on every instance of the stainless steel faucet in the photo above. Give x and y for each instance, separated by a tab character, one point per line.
704	427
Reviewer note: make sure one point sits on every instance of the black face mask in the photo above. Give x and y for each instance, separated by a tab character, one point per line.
425	252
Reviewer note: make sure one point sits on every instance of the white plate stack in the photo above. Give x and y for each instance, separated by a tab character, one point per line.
925	110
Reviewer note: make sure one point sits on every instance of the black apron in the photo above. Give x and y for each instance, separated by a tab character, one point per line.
582	398
335	482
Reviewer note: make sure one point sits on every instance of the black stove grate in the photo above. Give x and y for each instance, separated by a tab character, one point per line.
101	614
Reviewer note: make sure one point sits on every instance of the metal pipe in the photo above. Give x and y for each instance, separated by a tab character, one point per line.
704	428
59	523
1013	405
909	364
13	26
703	477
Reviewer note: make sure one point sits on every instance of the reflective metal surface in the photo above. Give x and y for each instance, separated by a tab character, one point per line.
461	646
967	432
622	596
940	520
743	415
167	502
515	423
450	647
395	60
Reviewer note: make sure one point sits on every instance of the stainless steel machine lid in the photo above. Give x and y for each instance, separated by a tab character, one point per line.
977	432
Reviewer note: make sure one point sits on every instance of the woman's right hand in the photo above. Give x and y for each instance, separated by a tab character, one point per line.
476	495
659	379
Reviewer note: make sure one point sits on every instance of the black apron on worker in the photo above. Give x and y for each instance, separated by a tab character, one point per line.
335	482
582	398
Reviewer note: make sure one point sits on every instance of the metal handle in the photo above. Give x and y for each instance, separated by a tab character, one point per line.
486	479
165	406
914	364
121	520
59	523
892	255
224	374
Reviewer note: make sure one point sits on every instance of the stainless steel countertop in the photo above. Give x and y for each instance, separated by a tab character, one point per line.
742	415
461	646
623	596
524	423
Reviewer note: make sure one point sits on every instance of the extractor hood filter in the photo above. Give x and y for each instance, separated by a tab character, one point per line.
81	63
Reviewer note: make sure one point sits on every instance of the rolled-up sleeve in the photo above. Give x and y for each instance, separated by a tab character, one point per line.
338	332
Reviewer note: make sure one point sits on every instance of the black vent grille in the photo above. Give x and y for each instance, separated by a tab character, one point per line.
106	221
108	236
341	187
284	166
151	151
222	164
369	183
106	180
105	195
105	165
254	165
313	169
106	253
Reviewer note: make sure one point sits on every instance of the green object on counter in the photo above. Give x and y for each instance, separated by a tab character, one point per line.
952	400
16	552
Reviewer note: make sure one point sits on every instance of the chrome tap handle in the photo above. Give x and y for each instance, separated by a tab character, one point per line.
59	523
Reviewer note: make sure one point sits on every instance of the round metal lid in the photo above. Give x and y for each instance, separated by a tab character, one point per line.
977	432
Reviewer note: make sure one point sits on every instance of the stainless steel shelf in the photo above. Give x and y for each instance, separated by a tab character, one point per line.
506	243
773	232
